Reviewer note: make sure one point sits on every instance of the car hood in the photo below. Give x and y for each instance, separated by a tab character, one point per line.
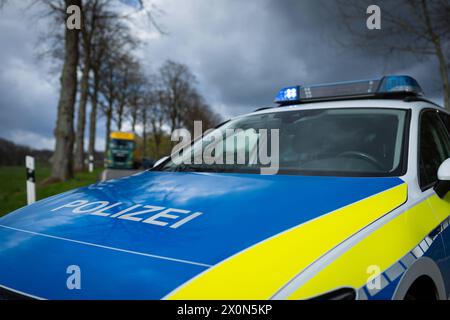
211	217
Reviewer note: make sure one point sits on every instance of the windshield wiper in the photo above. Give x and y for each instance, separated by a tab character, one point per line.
214	168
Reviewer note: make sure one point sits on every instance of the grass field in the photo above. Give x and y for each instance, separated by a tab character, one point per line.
13	186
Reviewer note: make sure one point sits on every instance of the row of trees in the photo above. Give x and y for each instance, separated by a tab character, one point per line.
154	105
115	83
101	75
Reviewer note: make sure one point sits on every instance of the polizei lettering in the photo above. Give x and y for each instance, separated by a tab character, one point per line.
153	215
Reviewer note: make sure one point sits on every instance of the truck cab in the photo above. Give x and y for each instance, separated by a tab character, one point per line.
121	149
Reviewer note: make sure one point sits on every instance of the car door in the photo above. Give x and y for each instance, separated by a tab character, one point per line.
434	149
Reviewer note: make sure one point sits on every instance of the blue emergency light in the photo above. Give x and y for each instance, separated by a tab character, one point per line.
384	87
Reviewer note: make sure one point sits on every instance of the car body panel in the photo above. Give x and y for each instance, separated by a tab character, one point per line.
256	273
220	232
37	265
406	231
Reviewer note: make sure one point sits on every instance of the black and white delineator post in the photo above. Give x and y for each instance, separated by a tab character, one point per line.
31	180
91	163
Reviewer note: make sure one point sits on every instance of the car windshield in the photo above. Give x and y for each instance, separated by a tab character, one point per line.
335	142
121	144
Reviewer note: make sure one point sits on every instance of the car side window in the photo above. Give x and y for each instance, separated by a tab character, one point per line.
434	147
446	119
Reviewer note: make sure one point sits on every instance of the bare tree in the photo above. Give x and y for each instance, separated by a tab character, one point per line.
198	110
123	80
417	27
101	28
108	43
108	91
62	164
172	101
92	12
148	101
62	159
135	94
157	120
175	84
154	117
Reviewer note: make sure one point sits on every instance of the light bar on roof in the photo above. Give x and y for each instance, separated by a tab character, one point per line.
389	85
288	94
400	84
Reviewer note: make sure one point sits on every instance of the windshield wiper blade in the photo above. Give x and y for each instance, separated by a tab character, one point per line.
215	168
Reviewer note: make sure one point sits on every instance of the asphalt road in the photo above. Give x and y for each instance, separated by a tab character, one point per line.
110	174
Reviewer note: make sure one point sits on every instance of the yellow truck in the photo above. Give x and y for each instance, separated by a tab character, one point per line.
123	152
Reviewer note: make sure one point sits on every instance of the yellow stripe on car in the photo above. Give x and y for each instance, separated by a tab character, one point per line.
258	272
382	248
441	206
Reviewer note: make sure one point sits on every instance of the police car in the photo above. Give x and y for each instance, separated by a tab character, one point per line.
358	209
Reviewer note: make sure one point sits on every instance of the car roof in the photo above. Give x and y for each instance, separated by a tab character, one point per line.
415	105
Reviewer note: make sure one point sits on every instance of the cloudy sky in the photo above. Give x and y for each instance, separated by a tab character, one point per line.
241	52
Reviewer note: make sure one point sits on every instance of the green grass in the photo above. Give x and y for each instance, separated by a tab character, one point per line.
13	186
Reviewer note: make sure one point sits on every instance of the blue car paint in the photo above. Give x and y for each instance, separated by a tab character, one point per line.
436	252
442	258
239	211
37	266
386	293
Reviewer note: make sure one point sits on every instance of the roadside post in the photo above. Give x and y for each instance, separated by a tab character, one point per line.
31	180
91	163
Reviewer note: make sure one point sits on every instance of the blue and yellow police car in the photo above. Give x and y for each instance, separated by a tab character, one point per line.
358	209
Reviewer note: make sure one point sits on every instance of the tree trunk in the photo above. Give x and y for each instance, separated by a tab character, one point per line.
157	139
173	122
62	160
120	115
144	132
108	125
122	100
158	145
93	115
81	125
134	116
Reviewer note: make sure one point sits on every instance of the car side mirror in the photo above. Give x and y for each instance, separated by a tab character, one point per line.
442	186
157	163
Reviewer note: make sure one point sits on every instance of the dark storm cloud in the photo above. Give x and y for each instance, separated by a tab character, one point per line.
27	97
242	52
329	60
